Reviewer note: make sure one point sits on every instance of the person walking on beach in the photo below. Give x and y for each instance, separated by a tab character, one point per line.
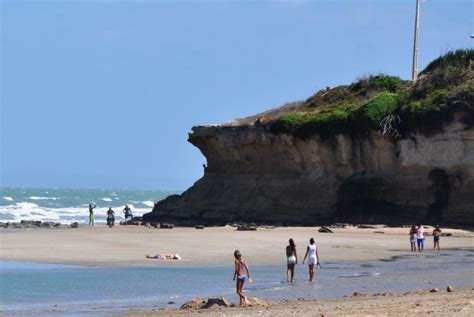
292	260
127	212
241	277
420	237
91	214
313	258
436	235
413	238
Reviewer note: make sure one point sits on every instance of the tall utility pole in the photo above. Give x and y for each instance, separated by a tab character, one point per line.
414	70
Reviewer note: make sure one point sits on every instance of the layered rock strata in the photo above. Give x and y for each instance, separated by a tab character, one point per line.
254	175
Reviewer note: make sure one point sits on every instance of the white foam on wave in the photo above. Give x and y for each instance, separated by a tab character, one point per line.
8	198
148	203
107	199
30	211
43	198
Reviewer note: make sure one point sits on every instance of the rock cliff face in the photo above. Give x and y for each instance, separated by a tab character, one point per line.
254	175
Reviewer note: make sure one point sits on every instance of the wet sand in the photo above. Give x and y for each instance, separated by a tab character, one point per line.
127	245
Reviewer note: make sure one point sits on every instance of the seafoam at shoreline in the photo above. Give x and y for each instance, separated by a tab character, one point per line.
71	205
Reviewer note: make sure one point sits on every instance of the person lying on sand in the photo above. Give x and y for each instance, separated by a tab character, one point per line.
164	256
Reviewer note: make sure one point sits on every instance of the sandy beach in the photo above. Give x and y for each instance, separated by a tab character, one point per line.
123	247
127	245
416	303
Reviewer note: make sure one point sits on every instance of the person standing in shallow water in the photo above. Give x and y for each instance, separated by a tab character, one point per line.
420	237
313	258
413	238
241	277
292	260
91	213
436	236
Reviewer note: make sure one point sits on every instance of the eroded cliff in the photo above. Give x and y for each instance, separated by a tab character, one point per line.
400	175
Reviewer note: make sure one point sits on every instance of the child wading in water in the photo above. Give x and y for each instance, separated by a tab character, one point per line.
241	277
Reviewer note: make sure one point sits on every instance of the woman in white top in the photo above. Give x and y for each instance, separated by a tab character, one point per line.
313	258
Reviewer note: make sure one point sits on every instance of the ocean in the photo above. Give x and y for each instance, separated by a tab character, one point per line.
70	205
34	289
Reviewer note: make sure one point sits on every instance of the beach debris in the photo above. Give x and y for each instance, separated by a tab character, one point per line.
196	303
74	225
366	227
32	224
166	226
246	228
213	302
340	225
254	301
217	302
324	229
434	290
447	234
200	227
450	289
381	232
201	303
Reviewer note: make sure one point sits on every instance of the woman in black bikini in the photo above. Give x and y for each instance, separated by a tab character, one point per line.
241	277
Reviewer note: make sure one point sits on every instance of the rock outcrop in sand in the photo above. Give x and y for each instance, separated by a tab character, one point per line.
255	174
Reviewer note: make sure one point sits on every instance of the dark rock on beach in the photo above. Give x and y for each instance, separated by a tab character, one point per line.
216	302
247	228
324	229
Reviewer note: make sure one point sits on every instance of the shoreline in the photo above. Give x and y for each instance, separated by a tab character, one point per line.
127	245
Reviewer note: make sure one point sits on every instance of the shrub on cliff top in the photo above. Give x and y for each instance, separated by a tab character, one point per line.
377	83
378	107
444	87
460	58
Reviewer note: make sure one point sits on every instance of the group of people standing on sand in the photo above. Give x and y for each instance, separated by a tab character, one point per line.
127	211
292	259
417	238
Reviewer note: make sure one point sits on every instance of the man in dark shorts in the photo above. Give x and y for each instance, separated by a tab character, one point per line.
127	212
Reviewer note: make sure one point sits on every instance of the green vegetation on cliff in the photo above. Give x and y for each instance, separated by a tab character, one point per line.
387	103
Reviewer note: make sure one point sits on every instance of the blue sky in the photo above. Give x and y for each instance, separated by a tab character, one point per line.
102	94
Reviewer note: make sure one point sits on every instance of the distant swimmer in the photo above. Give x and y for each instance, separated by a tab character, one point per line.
240	265
127	212
91	213
291	260
313	258
436	236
